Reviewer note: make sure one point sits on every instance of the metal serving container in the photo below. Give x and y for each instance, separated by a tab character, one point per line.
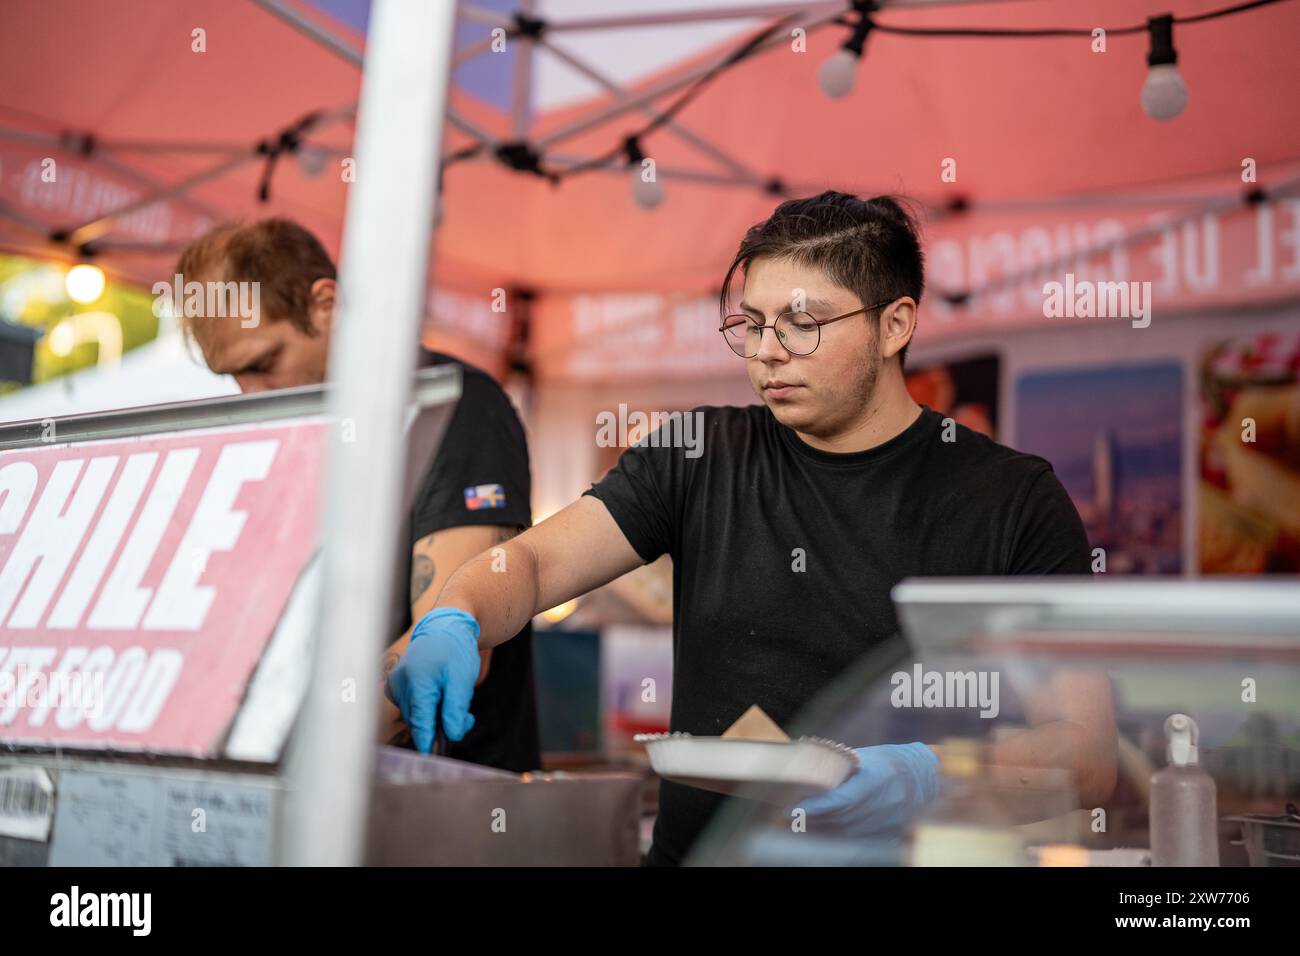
435	811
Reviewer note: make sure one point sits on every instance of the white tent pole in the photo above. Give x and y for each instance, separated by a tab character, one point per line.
382	290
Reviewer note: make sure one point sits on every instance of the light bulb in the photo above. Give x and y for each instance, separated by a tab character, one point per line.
1164	94
63	338
837	74
648	195
85	283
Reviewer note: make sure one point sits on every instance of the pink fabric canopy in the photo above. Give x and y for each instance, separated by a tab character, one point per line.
1043	133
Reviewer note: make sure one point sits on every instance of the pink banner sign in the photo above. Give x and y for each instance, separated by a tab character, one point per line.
1022	270
60	189
141	579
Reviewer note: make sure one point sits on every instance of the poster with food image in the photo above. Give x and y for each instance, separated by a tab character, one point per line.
965	390
1249	448
1114	436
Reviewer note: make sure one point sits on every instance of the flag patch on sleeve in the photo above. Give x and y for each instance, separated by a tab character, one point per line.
485	496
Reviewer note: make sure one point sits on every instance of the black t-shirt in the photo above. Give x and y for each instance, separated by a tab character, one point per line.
737	520
480	476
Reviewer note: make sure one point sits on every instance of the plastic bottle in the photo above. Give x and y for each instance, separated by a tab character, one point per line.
1184	820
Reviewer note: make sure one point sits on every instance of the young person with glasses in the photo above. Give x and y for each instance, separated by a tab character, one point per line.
836	464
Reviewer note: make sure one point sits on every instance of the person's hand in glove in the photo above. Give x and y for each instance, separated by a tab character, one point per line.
440	665
892	783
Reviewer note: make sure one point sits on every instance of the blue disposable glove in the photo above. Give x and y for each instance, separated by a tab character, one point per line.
440	665
892	782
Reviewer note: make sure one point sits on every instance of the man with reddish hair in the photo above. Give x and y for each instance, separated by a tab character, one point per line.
484	450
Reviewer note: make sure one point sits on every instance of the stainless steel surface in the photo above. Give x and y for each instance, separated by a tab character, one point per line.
399	765
935	612
432	386
533	820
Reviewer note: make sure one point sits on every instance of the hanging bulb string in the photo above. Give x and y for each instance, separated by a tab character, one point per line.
1030	32
862	22
522	157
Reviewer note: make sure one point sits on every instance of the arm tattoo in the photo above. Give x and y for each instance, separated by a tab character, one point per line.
390	661
422	575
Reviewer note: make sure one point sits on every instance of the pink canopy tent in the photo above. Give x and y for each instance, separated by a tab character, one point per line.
1029	153
1032	156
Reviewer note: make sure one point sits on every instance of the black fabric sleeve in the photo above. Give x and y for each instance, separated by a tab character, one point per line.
643	493
484	446
1049	536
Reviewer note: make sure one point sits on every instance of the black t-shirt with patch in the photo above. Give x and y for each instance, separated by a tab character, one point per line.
480	476
750	629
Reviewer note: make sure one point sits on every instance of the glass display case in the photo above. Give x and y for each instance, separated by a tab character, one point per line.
1067	714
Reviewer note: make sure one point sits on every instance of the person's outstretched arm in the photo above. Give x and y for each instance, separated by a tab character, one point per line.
434	559
489	599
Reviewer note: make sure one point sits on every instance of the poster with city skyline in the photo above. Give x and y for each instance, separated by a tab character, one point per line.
1114	436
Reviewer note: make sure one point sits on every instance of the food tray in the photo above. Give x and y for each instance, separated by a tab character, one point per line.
778	771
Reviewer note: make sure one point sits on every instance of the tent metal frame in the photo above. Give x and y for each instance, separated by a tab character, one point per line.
233	157
729	169
822	13
704	14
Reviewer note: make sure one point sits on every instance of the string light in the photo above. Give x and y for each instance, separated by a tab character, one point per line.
646	193
837	74
84	283
1164	94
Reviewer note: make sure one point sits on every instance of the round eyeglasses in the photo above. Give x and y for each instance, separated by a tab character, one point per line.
798	332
